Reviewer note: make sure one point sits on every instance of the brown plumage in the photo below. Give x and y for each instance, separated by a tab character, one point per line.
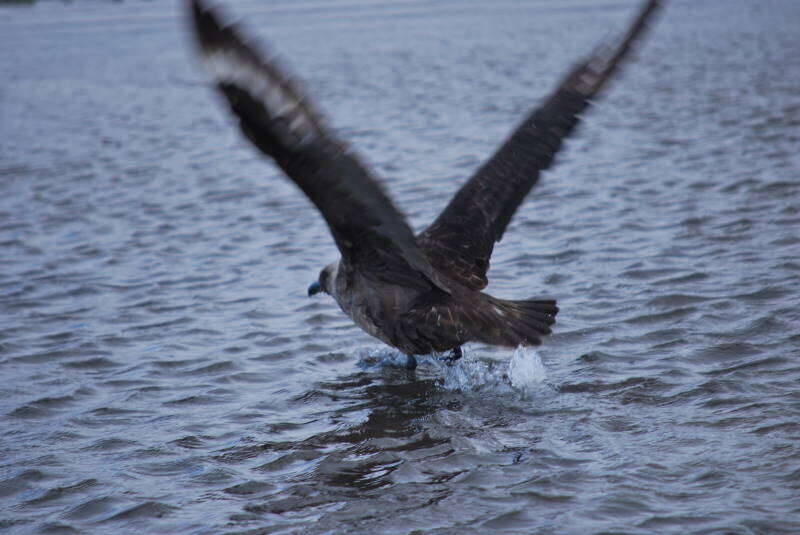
417	293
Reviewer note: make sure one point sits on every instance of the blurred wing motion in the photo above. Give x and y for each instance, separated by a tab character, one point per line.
461	240
369	231
432	301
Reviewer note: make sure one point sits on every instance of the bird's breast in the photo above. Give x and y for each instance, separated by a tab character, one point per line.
375	307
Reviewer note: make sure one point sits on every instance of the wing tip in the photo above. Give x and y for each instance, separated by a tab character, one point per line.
235	60
589	77
205	21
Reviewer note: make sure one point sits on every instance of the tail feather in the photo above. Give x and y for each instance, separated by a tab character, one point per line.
522	322
444	326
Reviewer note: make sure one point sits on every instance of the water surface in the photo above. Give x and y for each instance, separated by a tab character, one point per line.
162	370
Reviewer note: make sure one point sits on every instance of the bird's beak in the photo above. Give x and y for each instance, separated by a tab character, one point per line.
314	289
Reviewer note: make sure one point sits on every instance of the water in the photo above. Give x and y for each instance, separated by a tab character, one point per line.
162	370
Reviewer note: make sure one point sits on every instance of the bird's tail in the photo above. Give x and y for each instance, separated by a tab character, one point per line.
520	322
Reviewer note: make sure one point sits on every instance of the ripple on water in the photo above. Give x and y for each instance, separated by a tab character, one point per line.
163	371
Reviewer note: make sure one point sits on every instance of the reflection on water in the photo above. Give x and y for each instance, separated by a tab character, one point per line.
162	370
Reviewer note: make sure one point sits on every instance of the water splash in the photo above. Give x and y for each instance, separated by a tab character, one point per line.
473	375
526	370
380	357
523	373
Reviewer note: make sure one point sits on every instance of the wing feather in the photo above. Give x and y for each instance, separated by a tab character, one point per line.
274	114
460	241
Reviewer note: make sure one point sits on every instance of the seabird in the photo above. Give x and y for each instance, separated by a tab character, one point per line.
423	293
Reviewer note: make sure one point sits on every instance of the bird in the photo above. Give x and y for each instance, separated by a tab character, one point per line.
421	294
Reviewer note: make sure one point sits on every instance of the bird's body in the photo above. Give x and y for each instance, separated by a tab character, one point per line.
424	321
420	293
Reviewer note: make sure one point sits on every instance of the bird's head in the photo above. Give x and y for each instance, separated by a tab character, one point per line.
325	282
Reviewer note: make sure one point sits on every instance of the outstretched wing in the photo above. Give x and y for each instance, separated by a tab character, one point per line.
461	240
273	113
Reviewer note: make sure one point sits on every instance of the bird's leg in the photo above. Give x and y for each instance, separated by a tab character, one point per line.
454	355
411	362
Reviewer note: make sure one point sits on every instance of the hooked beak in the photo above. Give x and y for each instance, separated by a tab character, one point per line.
314	288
